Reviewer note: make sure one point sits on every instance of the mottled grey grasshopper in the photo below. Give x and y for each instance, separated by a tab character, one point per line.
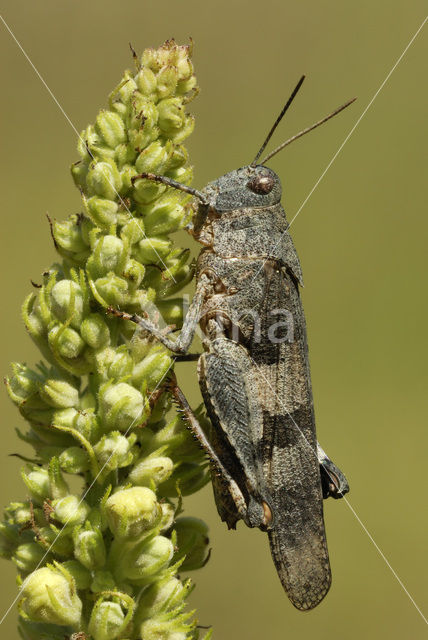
267	467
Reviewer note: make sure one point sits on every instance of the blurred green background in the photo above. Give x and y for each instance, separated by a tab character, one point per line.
361	237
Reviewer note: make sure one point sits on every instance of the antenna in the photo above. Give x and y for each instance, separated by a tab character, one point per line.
278	120
302	133
169	182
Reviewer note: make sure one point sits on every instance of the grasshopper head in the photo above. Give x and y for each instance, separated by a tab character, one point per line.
247	187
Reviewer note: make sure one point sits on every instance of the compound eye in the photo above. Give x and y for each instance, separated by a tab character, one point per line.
261	184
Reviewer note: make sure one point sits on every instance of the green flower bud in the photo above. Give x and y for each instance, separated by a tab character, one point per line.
151	250
108	256
23	384
132	512
66	301
61	545
112	289
59	394
189	477
152	158
132	231
152	369
162	596
38	484
146	191
144	562
110	128
106	622
95	332
166	216
89	547
170	629
192	543
85	422
82	577
8	539
178	440
79	171
134	273
70	510
146	81
49	595
66	341
74	460
171	115
28	556
121	406
103	179
185	131
121	365
20	513
102	212
102	581
172	311
69	238
168	516
151	471
113	451
167	79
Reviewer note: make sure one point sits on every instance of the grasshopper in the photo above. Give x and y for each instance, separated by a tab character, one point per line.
267	467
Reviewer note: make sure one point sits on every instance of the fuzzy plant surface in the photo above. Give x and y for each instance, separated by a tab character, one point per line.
99	539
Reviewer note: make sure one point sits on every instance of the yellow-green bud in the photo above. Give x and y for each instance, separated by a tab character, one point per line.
89	547
151	470
112	289
95	332
192	542
170	629
166	215
151	250
85	422
167	79
103	179
168	516
38	484
152	369
110	128
68	234
106	622
132	512
121	365
146	81
102	581
152	158
59	394
23	384
121	406
146	191
49	595
172	311
66	301
147	560
171	115
74	460
160	597
189	476
27	556
113	451
102	212
134	273
70	510
81	575
8	539
108	256
66	341
132	231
